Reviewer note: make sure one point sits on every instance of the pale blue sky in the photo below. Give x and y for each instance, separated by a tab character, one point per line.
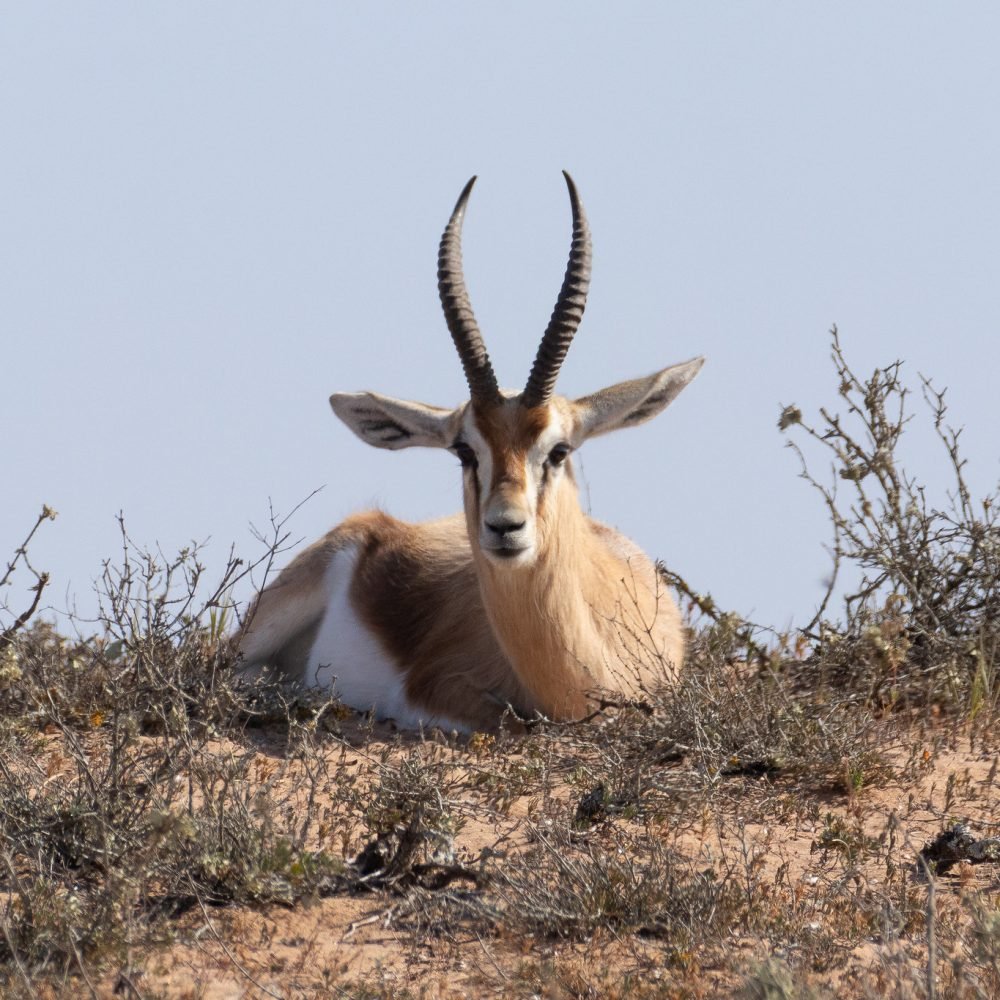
214	215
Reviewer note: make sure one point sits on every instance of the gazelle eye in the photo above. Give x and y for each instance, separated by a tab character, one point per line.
465	455
559	454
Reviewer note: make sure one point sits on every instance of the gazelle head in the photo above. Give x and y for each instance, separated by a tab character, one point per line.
514	447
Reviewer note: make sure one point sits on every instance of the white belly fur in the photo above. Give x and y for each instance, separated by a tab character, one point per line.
347	657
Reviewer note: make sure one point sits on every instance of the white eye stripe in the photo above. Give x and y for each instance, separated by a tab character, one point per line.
476	441
553	435
536	470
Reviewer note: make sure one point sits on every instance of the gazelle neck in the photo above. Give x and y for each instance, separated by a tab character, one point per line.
555	617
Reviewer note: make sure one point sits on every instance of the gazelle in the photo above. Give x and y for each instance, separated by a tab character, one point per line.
524	601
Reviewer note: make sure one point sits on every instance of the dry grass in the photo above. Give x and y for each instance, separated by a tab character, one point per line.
765	829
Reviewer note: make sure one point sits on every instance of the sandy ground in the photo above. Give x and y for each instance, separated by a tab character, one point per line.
331	946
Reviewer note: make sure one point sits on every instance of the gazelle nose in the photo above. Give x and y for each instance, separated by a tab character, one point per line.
503	526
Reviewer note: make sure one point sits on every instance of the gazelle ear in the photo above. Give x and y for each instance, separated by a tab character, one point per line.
629	403
394	423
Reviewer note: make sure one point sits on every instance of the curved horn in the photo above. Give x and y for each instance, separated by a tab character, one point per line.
568	311
458	310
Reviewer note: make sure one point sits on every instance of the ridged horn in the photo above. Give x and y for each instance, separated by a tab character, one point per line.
568	310
458	313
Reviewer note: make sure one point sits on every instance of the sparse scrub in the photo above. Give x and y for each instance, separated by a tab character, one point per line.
920	617
126	794
630	885
806	815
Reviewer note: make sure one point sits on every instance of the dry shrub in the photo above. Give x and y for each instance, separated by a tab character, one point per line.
128	792
135	785
921	615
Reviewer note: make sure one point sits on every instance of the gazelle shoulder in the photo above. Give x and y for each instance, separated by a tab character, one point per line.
620	545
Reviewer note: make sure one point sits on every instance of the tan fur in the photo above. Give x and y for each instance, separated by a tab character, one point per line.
471	635
529	604
589	615
511	432
282	621
425	574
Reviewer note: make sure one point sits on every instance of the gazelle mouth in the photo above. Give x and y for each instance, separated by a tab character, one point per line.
507	554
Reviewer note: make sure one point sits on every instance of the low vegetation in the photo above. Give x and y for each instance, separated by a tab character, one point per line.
780	824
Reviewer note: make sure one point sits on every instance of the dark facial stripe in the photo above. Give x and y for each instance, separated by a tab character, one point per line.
510	432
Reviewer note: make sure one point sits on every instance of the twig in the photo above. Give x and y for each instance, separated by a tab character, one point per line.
931	936
22	551
222	944
4	926
8	633
82	970
41	579
356	925
707	606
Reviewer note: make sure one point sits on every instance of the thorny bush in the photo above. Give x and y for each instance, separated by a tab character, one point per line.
922	617
133	788
126	792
